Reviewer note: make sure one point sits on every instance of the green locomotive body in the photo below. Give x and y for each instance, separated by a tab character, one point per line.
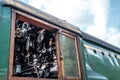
37	46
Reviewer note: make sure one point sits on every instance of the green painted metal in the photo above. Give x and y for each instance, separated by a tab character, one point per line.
95	64
101	64
5	15
82	58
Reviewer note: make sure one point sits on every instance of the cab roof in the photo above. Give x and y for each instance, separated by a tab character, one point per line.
40	14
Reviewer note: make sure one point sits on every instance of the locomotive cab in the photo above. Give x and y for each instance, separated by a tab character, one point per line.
35	45
40	50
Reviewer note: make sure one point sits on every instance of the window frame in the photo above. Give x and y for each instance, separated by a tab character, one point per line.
73	36
21	16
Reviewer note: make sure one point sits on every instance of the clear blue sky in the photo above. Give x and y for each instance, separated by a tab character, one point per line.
114	19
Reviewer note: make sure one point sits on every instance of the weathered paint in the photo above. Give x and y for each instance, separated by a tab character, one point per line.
101	64
95	66
4	40
82	58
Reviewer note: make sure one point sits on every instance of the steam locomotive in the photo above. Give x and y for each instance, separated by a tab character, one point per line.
35	45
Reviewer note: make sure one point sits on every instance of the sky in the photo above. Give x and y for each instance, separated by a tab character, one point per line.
99	18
